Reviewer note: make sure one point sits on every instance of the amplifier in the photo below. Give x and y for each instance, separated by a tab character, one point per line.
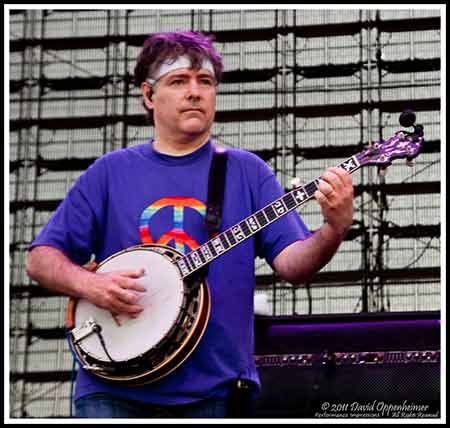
350	365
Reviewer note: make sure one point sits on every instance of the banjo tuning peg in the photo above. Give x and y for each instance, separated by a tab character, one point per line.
295	182
382	171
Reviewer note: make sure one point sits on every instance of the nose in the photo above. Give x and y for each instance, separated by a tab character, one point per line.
193	90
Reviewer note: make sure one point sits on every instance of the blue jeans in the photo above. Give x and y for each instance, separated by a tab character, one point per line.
101	405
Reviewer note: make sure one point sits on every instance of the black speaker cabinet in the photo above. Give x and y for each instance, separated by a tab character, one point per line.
358	365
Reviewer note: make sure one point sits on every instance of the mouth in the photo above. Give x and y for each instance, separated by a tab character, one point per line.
198	110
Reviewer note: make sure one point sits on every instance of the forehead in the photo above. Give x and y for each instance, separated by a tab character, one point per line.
188	72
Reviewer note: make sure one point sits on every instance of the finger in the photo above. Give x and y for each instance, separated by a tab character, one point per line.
125	279
123	317
333	179
123	308
325	188
130	310
346	181
130	284
127	295
321	198
136	287
117	318
345	176
133	273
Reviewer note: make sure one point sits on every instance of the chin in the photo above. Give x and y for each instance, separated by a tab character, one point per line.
195	127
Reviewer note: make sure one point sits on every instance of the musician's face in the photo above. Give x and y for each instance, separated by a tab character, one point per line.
184	103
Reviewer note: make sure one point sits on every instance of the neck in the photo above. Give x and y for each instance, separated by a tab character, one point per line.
179	147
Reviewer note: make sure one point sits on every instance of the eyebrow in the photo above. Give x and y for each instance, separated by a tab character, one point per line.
179	74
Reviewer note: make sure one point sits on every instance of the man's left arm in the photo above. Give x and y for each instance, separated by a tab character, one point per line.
298	262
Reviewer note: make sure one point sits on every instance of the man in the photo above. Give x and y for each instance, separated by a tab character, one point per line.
133	196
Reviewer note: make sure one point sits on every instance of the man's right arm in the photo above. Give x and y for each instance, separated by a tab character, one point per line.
52	269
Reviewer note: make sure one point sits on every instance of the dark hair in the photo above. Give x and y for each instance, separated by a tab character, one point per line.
161	47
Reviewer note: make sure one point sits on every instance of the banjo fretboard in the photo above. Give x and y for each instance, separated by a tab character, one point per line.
254	223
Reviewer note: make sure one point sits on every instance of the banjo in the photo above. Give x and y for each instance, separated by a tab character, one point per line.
177	303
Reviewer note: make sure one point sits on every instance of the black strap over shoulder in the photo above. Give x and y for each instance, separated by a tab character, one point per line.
216	190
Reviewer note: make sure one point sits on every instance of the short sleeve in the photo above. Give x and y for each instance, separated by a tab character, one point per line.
282	232
75	226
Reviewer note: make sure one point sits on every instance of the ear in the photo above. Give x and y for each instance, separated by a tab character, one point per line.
147	92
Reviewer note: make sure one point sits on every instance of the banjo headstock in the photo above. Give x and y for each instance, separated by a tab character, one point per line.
402	145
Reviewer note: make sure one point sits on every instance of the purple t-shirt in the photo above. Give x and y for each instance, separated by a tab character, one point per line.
137	195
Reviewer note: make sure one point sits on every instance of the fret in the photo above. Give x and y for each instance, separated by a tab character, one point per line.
224	241
245	228
212	249
261	217
183	267
253	224
230	237
350	164
289	201
200	254
218	246
299	195
189	263
270	213
206	252
237	232
279	207
310	188
195	258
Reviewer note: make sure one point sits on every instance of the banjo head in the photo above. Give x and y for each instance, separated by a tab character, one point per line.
130	338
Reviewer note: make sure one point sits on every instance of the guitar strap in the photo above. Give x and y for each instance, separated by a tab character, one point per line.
216	190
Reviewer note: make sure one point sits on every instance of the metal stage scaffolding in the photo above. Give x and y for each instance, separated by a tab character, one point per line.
303	89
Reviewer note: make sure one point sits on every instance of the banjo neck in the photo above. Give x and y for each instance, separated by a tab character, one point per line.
246	228
401	145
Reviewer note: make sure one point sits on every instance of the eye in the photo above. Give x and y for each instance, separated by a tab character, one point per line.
207	81
177	82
